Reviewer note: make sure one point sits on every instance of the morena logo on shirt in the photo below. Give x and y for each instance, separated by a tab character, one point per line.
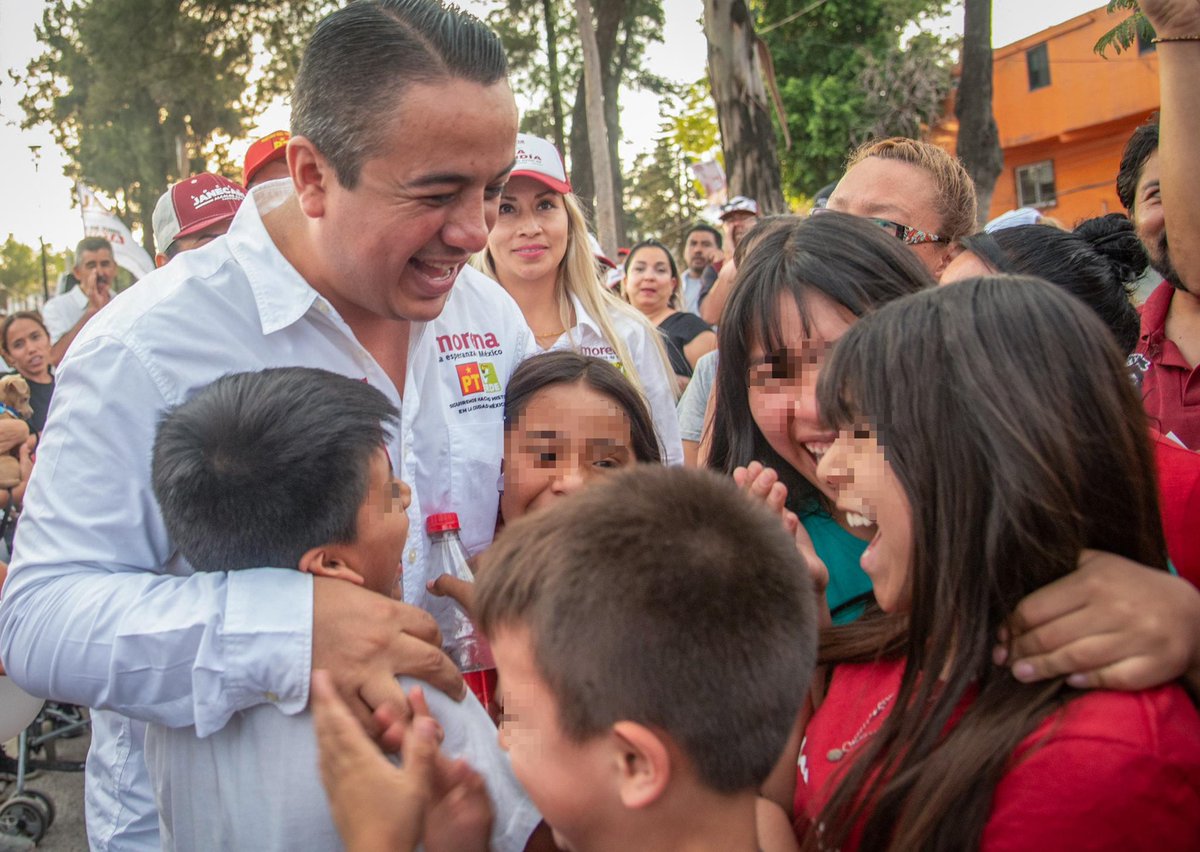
467	340
478	377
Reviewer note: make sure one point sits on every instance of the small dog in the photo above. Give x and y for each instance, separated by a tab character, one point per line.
14	404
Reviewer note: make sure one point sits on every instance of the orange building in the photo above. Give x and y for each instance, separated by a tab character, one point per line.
1064	115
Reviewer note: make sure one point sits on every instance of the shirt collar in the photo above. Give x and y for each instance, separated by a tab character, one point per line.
1154	312
281	294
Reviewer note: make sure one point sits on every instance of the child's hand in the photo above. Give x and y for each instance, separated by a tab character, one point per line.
462	592
762	484
460	818
375	805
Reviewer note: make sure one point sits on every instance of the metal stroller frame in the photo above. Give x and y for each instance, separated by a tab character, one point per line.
26	812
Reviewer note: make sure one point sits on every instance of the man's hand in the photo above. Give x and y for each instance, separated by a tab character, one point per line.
97	288
1173	17
1111	623
365	640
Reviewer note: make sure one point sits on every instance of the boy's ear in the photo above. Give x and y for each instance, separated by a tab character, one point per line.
326	562
643	764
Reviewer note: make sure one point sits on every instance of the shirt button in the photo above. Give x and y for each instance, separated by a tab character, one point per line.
412	556
272	697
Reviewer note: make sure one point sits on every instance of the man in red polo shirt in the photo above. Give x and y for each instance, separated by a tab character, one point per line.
1168	352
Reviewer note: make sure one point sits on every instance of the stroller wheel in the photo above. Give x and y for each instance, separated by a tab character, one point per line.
23	816
47	804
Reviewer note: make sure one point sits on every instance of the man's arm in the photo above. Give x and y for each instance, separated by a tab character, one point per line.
92	614
1179	129
714	303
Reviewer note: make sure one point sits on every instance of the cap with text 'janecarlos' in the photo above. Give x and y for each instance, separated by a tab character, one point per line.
192	205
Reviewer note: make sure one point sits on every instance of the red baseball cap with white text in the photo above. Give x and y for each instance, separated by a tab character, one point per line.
192	205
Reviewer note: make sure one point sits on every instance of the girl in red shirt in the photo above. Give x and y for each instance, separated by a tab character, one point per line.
990	433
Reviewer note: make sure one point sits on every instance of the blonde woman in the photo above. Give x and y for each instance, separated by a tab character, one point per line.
539	252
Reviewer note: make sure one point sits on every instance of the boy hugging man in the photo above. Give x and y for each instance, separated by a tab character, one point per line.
288	467
655	636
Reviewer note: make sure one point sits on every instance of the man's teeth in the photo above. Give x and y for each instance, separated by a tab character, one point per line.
817	450
854	519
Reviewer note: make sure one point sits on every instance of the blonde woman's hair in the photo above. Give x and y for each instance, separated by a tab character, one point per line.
953	187
579	276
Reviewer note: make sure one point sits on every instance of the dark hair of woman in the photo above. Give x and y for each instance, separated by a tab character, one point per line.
1010	472
567	368
1097	262
33	316
849	260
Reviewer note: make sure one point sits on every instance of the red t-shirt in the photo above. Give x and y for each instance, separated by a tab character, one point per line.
1119	770
1179	504
1170	386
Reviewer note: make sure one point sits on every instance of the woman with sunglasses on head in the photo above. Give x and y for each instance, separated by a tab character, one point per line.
914	191
540	253
652	285
986	481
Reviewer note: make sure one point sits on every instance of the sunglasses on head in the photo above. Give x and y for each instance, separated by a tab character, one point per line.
904	233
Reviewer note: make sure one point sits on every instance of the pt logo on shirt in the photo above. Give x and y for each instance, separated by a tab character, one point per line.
478	377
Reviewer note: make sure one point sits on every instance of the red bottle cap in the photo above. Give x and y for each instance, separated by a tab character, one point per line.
442	522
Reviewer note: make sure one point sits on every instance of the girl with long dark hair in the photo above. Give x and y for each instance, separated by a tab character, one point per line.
986	481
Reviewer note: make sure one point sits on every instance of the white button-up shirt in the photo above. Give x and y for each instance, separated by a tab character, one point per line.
98	610
202	811
62	312
587	338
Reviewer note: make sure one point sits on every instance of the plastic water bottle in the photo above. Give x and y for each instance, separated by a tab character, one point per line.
461	641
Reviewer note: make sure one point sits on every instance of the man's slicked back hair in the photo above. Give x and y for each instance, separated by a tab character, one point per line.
703	626
258	468
362	58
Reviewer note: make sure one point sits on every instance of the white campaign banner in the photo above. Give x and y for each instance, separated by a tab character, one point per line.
98	221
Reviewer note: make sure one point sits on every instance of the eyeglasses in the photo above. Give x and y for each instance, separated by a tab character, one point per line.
908	236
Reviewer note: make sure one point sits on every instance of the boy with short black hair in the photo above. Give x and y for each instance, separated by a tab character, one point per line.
287	467
655	635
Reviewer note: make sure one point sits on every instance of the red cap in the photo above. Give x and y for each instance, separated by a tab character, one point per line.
192	205
441	523
271	147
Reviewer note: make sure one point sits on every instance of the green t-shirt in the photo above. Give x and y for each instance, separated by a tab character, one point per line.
840	551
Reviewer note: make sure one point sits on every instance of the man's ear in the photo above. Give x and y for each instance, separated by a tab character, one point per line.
160	260
326	562
311	175
643	764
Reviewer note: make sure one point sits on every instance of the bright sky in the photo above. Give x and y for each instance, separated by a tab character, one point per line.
38	198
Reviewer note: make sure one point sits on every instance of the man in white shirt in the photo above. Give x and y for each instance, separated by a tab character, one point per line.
393	186
702	244
67	314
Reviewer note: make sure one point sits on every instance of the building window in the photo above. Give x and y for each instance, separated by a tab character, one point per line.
1035	185
1038	60
1145	45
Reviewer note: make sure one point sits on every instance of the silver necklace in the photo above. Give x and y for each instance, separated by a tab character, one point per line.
836	754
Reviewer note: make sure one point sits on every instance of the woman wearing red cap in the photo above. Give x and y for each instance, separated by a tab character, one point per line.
540	254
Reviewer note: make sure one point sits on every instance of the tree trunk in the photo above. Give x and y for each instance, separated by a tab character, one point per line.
978	137
747	134
597	130
556	105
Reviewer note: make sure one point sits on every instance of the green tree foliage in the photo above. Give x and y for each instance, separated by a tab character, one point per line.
21	269
1125	34
822	51
137	92
623	30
